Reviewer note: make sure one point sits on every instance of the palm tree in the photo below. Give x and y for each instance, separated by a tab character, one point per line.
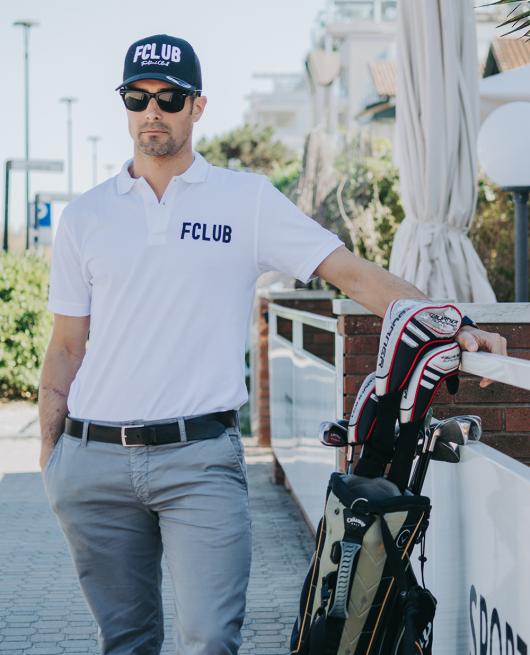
518	21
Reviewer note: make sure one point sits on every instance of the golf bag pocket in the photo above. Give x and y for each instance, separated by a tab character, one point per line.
359	596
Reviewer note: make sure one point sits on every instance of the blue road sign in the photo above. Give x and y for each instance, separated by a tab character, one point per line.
44	214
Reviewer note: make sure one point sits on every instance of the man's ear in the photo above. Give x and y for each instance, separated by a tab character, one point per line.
198	107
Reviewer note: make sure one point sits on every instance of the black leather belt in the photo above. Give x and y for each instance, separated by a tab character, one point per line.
205	426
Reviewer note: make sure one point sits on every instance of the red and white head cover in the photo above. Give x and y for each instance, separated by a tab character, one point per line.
417	352
363	415
434	367
410	328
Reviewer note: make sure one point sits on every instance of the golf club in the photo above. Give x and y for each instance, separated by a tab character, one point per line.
475	425
334	433
445	430
446	452
454	430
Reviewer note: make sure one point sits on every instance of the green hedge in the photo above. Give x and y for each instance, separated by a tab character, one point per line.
369	193
493	236
25	323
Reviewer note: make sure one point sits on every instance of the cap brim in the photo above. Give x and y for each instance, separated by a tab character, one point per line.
174	81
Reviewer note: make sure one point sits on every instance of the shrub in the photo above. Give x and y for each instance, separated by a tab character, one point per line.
369	194
25	323
253	148
365	207
372	211
492	235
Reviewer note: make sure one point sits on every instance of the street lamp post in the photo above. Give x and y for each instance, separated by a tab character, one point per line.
27	25
520	197
69	101
94	140
504	152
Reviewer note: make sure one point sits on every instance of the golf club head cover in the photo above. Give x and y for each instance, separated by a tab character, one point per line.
410	328
434	367
363	414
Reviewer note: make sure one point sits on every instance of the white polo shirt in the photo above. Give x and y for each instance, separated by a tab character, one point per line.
169	286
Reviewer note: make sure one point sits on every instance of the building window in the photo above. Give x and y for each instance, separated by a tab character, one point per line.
365	9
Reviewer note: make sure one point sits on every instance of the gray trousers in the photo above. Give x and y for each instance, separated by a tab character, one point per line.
119	508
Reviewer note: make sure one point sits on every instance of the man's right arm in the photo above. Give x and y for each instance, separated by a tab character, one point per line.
62	360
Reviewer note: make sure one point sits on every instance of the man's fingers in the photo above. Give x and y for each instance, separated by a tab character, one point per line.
493	342
473	340
501	346
467	341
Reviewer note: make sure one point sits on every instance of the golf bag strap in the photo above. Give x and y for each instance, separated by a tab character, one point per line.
349	554
422	559
397	567
355	527
317	633
418	604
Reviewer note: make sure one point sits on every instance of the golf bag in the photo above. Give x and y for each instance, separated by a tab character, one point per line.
360	596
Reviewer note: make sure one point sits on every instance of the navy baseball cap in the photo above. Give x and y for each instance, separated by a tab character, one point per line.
163	57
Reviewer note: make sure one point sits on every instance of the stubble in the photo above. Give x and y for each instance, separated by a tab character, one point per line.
162	145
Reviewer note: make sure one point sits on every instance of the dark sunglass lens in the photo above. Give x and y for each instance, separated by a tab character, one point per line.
171	101
135	100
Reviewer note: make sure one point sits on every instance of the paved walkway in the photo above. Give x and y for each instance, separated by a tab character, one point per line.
42	611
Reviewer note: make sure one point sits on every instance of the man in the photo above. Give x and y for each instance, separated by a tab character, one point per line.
141	448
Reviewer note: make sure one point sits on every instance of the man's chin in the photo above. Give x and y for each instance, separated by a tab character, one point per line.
157	147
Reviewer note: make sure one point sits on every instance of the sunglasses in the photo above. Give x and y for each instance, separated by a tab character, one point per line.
168	100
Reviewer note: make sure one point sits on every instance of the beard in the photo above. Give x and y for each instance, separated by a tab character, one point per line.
162	145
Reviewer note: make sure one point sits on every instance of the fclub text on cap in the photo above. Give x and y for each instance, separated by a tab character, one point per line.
163	57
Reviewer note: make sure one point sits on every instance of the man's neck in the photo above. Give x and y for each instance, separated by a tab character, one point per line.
158	171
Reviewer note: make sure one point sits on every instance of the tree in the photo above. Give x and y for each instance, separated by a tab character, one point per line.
520	21
254	148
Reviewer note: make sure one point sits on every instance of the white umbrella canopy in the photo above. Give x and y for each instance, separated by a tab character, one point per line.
436	135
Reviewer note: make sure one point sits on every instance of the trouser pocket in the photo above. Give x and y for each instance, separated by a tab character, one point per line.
233	436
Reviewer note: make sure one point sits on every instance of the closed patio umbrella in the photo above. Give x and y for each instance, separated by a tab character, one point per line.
436	134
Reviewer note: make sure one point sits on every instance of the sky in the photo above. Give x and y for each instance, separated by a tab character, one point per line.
78	50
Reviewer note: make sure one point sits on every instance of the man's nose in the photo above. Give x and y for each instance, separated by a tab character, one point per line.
153	111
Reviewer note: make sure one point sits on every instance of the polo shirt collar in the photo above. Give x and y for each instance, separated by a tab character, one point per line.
194	174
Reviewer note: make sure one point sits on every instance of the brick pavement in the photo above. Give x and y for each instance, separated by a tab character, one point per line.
42	611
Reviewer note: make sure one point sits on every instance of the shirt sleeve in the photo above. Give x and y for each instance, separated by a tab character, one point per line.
70	290
287	239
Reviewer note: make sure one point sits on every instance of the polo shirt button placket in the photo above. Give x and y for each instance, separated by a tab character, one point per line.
157	215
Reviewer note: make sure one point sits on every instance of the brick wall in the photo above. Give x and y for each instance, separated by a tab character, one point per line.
317	341
505	410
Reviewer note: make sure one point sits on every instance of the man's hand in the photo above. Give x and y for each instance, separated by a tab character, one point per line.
473	339
45	453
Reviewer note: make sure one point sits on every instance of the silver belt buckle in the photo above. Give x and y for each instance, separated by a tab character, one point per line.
124	436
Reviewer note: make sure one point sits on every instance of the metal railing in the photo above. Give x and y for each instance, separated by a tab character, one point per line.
304	390
508	370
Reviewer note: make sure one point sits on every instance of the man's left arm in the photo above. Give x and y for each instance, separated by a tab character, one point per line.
375	288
